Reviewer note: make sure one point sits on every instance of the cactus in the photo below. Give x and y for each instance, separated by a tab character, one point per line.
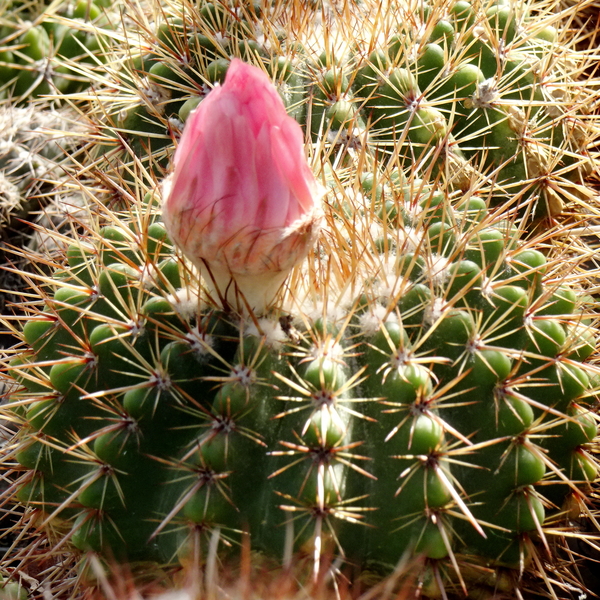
37	148
40	47
425	388
422	386
36	152
34	144
463	92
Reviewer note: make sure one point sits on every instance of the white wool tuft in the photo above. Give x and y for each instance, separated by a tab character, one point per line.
371	321
434	311
268	328
438	268
200	341
185	302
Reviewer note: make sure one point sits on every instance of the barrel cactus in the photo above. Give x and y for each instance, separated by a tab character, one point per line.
42	42
422	385
35	149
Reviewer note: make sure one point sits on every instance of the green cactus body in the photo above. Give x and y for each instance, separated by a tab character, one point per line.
438	415
423	386
39	49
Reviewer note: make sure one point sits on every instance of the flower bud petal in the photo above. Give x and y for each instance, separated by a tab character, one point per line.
242	203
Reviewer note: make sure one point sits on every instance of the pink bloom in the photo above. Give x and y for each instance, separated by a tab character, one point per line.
242	202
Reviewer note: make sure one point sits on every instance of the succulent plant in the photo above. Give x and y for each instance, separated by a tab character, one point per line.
42	42
34	145
424	388
36	148
460	91
424	383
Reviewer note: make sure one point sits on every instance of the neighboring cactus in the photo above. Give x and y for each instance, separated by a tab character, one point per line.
39	47
462	91
36	148
34	145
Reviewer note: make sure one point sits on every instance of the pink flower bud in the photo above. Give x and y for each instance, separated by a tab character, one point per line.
242	202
